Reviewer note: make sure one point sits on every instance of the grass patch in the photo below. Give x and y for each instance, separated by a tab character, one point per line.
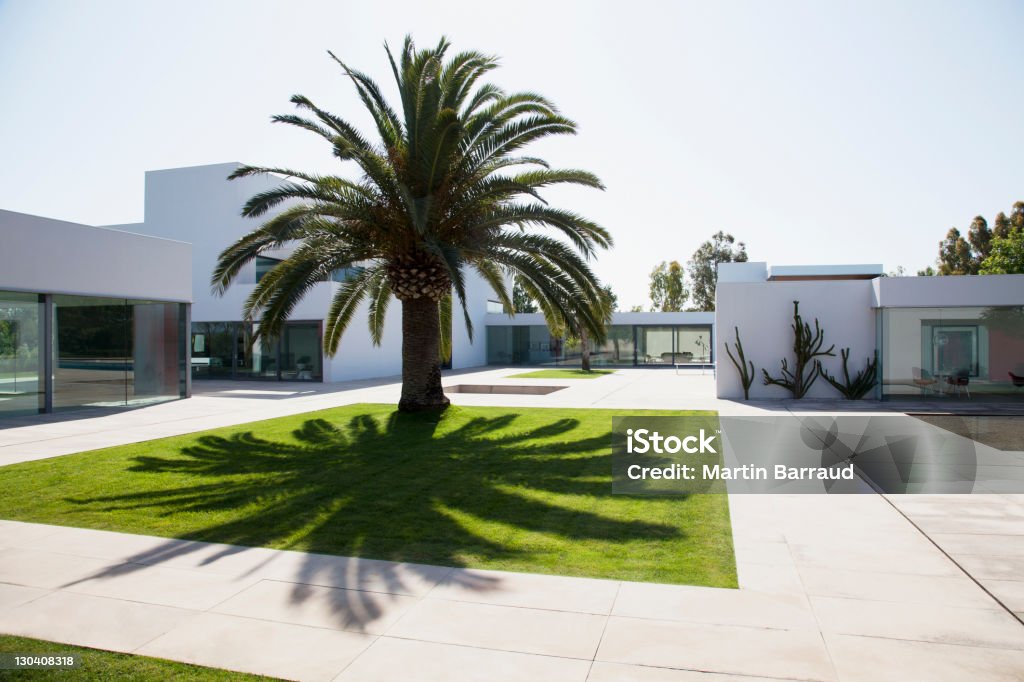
106	665
562	374
519	489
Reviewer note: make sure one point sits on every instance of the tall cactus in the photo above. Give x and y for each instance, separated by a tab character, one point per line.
806	348
746	376
859	386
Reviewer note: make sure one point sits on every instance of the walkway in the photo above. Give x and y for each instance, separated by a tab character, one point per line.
872	601
836	587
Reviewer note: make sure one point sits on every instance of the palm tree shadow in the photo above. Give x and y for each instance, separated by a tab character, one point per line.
379	504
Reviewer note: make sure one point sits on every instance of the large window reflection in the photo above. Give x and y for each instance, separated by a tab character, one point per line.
91	351
952	352
232	350
21	353
625	346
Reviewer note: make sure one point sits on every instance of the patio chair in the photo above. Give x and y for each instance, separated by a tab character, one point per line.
1018	381
959	380
924	379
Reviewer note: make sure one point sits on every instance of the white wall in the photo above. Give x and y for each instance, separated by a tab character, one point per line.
763	311
53	256
963	290
198	204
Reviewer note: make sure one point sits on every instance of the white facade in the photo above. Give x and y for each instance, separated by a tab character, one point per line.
860	309
763	312
199	205
58	257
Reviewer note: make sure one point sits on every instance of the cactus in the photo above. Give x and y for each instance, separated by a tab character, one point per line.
807	349
861	384
746	376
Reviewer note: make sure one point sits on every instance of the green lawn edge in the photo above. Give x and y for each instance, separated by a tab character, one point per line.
102	665
562	374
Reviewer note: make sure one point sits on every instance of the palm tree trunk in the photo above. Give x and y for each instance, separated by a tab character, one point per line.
421	357
585	348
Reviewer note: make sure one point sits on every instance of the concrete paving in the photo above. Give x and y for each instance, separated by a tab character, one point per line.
832	587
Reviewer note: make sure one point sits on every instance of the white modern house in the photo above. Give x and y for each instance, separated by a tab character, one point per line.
90	316
124	315
934	337
200	206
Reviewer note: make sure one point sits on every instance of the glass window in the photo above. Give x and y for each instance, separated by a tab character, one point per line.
265	265
344	274
300	352
693	345
156	351
952	352
212	349
654	345
618	348
22	351
91	352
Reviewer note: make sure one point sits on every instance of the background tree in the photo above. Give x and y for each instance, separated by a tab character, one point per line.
927	272
442	191
668	290
955	255
1006	255
703	267
521	301
980	239
577	333
611	297
636	309
960	256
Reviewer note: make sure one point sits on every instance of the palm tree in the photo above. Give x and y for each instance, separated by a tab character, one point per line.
443	192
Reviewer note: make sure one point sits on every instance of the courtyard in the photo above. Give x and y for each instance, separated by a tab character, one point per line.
282	583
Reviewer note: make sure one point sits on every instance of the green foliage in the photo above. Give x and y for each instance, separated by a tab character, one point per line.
703	267
859	386
974	255
521	301
441	189
742	364
807	348
516	489
562	374
955	255
668	290
927	272
1006	256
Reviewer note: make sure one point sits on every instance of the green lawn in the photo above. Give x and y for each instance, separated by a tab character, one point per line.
491	487
562	374
105	665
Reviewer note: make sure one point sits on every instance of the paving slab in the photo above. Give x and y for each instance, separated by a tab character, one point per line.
715	606
874	659
523	630
292	652
927	623
89	621
953	590
390	659
796	654
48	570
318	606
163	586
15	595
617	672
530	590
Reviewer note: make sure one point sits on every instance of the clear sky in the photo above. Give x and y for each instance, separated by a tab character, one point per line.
817	132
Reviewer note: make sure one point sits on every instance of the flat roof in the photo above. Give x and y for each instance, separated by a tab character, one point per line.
824	272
